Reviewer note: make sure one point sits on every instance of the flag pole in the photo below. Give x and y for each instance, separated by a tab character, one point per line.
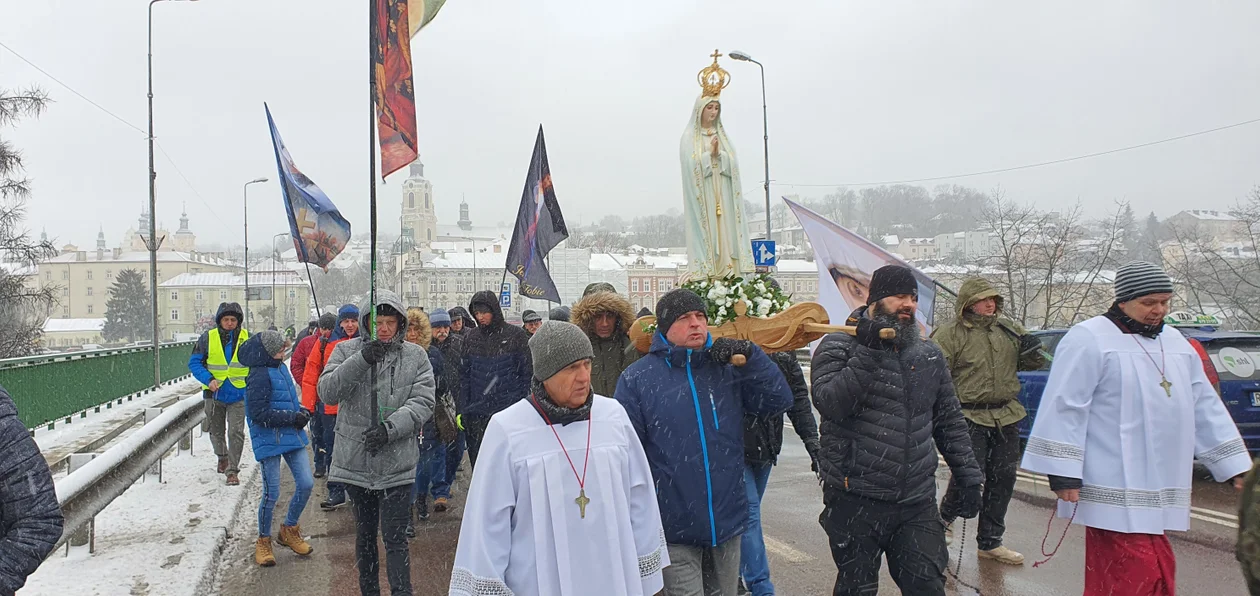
311	280
372	28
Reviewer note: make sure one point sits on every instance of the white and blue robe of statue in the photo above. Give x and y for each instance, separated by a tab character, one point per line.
522	531
1106	419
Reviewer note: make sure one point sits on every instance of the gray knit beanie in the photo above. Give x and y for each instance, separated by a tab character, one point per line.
1139	278
555	346
272	341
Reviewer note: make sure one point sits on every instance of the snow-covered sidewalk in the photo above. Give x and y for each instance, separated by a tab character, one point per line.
158	539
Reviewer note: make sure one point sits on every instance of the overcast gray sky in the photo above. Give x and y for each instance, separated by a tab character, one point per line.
858	92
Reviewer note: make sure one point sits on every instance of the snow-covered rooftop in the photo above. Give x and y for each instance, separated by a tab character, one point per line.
73	325
163	256
230	280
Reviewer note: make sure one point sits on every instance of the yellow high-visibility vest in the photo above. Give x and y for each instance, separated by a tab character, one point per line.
217	362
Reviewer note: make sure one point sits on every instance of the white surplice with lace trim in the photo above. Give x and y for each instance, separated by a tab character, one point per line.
522	532
1105	418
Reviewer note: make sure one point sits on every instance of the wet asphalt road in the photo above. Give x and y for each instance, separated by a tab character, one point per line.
800	560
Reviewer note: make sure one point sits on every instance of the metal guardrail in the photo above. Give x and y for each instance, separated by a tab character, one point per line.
88	490
55	386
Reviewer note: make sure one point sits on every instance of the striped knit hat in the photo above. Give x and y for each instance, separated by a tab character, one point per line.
1139	278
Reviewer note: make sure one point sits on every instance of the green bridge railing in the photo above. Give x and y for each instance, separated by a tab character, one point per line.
55	386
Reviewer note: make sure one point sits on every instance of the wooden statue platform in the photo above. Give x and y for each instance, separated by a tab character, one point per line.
792	329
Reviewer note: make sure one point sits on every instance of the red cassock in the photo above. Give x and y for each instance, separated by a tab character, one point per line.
1119	564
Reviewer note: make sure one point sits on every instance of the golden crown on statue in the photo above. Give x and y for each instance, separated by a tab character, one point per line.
713	78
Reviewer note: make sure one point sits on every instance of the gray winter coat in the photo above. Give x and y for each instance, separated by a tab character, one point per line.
405	393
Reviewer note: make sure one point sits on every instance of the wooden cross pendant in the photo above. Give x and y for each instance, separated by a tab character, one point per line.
1167	386
582	501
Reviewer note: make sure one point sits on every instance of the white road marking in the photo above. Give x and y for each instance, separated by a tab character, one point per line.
785	552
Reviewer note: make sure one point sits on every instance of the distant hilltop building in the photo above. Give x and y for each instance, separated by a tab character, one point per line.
419	219
182	240
1217	225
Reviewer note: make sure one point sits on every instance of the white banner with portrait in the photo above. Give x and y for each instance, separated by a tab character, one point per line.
845	263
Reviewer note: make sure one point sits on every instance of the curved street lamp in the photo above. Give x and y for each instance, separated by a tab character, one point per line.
765	128
245	204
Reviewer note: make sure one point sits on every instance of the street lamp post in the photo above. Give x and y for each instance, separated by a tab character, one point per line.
275	262
765	130
152	242
245	210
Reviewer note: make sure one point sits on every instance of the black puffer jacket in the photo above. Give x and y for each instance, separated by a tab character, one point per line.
497	366
30	517
763	435
877	434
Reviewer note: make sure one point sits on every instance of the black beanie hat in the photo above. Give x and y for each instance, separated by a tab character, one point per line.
892	280
676	304
327	321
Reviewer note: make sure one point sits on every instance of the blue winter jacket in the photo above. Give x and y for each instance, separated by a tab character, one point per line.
271	403
689	413
439	374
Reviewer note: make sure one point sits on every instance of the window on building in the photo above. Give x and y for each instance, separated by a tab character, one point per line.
65	274
48	276
89	309
89	291
89	274
109	274
174	295
292	293
65	291
197	296
426	200
430	233
411	200
667	285
432	286
174	314
634	285
442	285
415	287
222	294
65	311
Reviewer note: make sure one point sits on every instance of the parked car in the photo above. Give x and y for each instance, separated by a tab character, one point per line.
1229	358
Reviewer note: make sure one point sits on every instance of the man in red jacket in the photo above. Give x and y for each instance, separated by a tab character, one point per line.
297	366
297	363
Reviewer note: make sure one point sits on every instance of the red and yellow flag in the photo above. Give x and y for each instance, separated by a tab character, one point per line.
394	90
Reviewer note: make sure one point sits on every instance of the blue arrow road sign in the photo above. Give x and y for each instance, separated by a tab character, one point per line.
764	254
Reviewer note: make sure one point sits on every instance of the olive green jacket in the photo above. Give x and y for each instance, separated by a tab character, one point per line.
983	355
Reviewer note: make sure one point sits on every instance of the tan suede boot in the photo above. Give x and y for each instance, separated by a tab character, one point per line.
291	536
262	552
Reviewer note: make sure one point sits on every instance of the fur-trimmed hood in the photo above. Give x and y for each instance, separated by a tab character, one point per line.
418	321
588	307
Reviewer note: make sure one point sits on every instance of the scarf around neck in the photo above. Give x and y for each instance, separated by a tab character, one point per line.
1128	324
556	413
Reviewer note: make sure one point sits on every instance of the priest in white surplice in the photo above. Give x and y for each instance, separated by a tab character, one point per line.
1127	409
562	502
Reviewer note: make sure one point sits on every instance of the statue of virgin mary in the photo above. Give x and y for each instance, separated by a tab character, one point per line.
717	235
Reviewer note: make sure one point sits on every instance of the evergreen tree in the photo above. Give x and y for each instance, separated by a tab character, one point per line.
22	308
1150	250
127	314
1129	235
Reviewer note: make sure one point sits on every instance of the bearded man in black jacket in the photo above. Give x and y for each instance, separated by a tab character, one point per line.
883	404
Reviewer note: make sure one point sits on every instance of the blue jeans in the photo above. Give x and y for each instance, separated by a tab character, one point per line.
754	567
454	455
431	471
300	467
328	437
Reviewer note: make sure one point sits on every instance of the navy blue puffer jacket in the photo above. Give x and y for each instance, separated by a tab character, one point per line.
688	411
271	403
496	368
30	517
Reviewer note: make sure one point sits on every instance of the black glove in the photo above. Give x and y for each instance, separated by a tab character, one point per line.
813	450
374	351
301	419
375	438
1028	344
969	499
724	348
868	333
